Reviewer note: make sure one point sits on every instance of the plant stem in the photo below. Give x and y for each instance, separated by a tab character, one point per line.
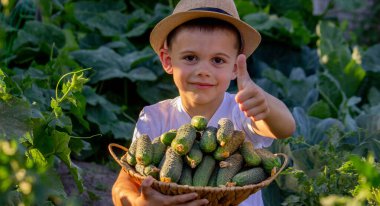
56	88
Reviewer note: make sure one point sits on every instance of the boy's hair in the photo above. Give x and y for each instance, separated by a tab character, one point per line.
208	25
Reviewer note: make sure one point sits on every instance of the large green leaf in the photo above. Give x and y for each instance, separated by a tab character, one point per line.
105	114
106	63
330	90
350	5
34	155
297	90
58	144
141	74
110	23
35	34
319	109
153	92
370	118
245	7
36	41
313	130
374	97
266	24
282	28
123	130
82	11
371	59
138	23
15	118
135	58
101	116
303	123
335	55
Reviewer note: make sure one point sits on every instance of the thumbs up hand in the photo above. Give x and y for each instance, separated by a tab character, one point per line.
251	98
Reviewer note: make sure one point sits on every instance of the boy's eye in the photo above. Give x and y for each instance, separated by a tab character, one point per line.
218	60
190	58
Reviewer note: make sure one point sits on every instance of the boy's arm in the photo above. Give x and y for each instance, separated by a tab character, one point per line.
125	192
270	116
278	123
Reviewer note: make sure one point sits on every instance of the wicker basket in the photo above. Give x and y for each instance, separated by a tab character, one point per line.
215	195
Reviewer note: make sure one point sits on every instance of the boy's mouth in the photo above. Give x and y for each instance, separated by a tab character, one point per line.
202	85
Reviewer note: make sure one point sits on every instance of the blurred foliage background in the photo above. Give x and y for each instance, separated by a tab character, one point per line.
74	76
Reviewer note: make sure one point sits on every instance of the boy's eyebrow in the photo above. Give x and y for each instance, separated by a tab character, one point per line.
216	54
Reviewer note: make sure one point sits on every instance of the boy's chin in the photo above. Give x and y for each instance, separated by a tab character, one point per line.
202	99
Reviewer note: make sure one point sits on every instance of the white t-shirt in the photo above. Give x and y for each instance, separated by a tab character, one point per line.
170	114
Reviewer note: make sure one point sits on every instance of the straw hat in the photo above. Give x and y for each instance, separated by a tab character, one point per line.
192	9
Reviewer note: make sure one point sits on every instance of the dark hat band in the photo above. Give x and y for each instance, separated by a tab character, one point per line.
210	9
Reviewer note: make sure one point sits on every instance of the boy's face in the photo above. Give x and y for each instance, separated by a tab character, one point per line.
202	63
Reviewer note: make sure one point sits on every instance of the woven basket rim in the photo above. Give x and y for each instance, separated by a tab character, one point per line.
132	172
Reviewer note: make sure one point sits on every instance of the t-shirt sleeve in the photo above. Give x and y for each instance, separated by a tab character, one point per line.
245	124
145	124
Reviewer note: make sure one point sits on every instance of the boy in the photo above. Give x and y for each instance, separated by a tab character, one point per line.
204	45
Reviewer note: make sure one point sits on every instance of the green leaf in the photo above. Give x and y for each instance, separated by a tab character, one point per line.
335	55
53	180
133	59
371	59
321	128
123	130
15	118
319	109
141	74
302	121
94	99
245	7
349	5
369	122
34	155
138	30
110	23
275	76
77	145
153	92
374	96
106	63
330	90
57	143
351	78
267	23
103	117
367	170
61	121
79	110
34	34
333	49
83	11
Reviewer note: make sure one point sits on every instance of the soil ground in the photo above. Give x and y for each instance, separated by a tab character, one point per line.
98	180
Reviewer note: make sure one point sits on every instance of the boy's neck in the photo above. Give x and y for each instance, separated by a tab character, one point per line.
206	110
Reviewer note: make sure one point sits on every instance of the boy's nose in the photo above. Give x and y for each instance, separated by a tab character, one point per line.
203	69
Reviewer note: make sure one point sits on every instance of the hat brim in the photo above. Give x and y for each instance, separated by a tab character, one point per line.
250	37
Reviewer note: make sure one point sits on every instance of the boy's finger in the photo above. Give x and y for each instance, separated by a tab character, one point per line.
242	72
145	185
196	203
178	199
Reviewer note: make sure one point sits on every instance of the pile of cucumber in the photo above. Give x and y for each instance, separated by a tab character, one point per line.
197	155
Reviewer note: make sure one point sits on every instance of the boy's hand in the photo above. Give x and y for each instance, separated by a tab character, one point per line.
251	98
149	196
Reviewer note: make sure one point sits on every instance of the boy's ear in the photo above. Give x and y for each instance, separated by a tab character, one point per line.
166	60
234	72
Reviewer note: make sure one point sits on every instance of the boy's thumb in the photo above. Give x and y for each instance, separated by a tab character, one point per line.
242	72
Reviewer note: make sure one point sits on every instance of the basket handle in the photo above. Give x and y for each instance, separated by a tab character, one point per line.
110	149
285	163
